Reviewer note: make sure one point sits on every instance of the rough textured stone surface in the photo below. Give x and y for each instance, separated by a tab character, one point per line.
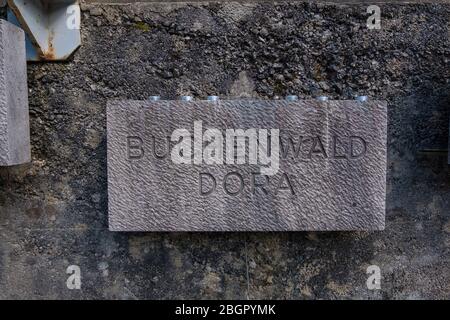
53	211
331	173
14	119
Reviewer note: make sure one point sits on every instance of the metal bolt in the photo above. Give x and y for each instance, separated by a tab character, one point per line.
186	98
362	98
212	98
322	98
154	98
291	98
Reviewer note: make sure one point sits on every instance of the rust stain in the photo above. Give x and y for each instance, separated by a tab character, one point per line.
50	53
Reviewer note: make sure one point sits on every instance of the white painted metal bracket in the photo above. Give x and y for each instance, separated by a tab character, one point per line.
52	27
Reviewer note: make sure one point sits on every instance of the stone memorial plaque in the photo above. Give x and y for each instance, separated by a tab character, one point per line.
246	165
14	118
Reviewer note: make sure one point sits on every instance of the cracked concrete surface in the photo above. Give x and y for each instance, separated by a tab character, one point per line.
53	211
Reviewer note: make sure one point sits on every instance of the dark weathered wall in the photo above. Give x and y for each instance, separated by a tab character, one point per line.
53	212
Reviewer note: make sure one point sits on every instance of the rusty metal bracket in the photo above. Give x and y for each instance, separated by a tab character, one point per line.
52	27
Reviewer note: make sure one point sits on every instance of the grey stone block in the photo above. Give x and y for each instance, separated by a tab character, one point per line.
332	173
14	117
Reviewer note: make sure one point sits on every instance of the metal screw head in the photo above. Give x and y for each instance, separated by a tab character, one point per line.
154	98
186	98
362	98
212	98
322	98
291	98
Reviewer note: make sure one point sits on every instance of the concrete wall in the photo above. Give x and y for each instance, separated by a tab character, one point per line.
53	212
